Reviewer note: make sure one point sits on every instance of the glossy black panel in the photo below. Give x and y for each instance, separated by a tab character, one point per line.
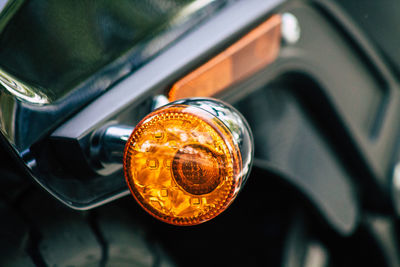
56	45
56	56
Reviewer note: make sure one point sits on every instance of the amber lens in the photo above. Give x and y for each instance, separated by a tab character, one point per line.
182	165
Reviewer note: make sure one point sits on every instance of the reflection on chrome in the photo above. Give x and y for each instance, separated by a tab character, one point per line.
191	8
21	91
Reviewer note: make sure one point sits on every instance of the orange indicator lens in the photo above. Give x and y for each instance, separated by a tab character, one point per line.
242	59
182	165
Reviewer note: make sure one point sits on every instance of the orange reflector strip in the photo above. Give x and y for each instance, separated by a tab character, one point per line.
248	55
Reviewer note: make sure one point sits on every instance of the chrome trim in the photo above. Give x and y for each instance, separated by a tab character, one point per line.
109	144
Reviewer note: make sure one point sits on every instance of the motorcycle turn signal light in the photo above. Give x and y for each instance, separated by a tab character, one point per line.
185	162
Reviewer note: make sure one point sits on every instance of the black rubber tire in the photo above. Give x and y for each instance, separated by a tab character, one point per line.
39	231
